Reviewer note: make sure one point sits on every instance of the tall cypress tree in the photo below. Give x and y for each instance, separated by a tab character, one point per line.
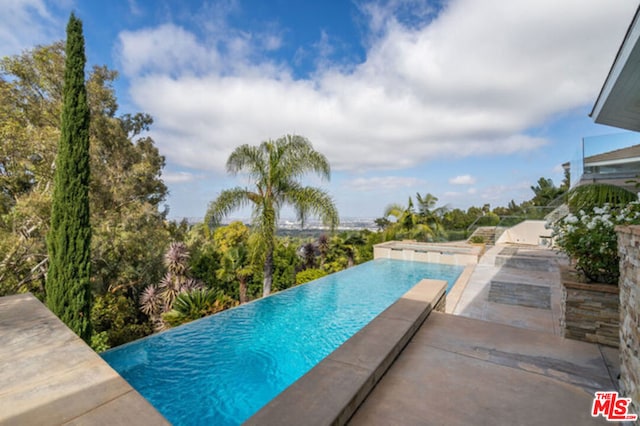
69	240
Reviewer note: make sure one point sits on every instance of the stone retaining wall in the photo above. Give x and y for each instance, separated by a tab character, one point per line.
590	312
629	250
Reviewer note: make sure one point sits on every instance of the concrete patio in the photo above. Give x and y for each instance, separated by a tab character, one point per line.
463	371
500	359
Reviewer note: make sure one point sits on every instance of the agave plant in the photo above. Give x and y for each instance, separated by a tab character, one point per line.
159	299
176	259
196	304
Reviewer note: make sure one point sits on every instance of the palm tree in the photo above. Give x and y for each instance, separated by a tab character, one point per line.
429	214
350	245
407	222
236	267
275	168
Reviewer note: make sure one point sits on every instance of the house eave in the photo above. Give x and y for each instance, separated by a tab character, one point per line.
618	103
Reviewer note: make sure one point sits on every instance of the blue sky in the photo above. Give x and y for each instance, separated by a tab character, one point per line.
470	100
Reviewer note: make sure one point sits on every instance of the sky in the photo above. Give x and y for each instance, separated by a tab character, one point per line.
469	100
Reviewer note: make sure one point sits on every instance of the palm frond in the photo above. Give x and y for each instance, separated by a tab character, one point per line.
394	210
309	200
586	197
247	158
227	201
298	158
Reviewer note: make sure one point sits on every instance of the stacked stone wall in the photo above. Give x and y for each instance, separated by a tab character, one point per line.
590	312
629	250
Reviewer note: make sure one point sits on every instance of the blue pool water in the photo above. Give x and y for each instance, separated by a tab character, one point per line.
222	369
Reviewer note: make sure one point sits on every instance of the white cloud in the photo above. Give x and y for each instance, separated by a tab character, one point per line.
471	82
178	177
520	190
167	49
25	23
383	183
462	180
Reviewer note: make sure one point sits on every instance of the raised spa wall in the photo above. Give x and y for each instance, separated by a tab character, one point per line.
426	252
629	284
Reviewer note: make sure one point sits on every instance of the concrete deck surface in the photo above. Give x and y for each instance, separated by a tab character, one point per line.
49	376
500	359
463	371
505	265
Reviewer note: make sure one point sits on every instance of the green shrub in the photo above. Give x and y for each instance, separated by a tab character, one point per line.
119	318
100	341
590	240
309	275
190	306
454	235
477	239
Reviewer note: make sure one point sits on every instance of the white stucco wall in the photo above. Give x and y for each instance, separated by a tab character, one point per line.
532	232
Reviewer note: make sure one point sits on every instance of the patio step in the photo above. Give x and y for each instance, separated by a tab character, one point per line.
513	257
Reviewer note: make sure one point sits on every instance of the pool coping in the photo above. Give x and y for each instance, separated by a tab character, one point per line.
331	391
454	295
51	376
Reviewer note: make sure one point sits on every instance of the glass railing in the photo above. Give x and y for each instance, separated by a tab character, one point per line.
595	145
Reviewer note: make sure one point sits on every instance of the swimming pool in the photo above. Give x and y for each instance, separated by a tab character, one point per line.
224	368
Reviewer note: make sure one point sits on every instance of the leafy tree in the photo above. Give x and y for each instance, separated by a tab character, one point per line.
117	320
345	250
365	251
382	223
235	265
275	167
350	245
205	257
429	214
69	239
545	192
457	219
235	268
286	264
129	233
408	223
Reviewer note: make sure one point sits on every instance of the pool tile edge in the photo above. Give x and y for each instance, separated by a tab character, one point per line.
330	392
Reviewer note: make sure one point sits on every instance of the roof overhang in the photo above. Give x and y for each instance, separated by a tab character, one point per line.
618	103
